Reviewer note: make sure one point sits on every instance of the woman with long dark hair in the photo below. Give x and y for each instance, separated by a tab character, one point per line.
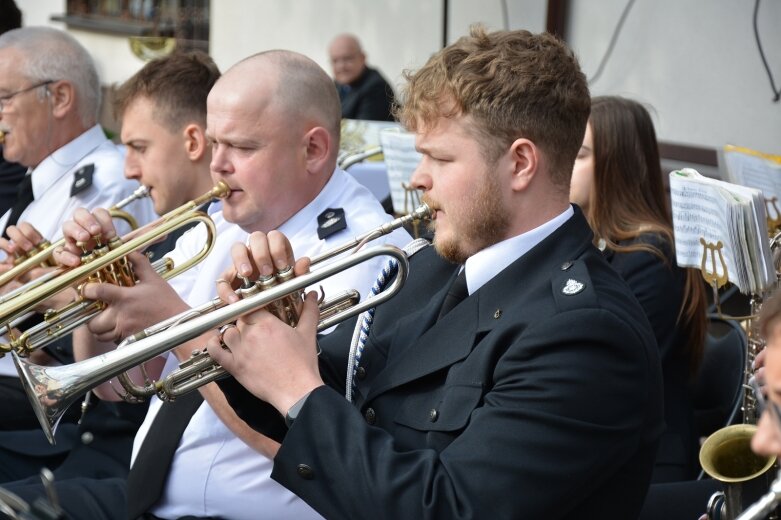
617	182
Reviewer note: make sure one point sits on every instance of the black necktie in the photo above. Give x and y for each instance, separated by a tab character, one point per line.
24	196
148	475
458	291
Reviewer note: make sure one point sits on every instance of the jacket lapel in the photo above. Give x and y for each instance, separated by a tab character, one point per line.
422	346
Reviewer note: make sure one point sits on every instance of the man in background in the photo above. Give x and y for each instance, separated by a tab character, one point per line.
363	92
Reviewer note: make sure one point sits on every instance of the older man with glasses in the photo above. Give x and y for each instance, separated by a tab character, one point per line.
49	103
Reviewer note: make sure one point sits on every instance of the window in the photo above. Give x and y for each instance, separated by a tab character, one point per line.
185	20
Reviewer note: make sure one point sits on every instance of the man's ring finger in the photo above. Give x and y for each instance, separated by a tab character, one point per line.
223	329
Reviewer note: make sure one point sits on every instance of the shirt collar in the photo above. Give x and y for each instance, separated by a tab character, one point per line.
308	213
485	264
62	160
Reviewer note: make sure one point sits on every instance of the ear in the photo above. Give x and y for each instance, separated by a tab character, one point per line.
524	157
194	141
317	143
62	97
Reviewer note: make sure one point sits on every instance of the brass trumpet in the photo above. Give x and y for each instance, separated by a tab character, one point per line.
107	263
42	254
53	389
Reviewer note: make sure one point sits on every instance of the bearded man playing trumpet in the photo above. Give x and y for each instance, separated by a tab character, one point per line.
49	101
273	122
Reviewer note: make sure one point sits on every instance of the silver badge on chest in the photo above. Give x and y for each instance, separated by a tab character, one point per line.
572	287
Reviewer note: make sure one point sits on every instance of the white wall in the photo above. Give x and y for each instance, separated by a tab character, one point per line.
396	34
694	61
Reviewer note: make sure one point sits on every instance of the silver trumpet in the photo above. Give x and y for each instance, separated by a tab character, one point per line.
52	390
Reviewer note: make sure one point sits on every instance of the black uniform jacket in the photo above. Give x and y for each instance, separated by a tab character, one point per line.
538	396
370	97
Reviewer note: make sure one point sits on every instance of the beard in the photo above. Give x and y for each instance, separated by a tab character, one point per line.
479	223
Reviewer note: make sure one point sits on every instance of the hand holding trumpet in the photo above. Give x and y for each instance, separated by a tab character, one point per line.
128	309
23	240
274	361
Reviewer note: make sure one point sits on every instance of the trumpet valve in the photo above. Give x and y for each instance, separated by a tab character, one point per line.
288	306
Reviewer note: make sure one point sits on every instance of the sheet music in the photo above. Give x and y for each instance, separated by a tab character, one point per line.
754	169
721	211
401	159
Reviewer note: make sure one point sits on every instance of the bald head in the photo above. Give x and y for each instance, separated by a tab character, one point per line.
288	82
347	58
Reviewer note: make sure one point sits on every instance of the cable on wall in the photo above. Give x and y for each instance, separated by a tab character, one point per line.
776	92
612	43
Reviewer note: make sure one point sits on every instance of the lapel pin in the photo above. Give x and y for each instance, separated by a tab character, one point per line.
572	287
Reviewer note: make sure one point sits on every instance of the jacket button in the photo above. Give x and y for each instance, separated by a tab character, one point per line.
371	416
360	373
305	472
433	415
87	438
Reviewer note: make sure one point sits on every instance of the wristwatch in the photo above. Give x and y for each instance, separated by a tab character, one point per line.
292	413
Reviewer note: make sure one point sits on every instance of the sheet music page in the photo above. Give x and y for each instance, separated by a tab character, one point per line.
720	211
753	169
401	159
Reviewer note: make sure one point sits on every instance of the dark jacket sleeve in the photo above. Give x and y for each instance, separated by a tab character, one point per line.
536	431
263	417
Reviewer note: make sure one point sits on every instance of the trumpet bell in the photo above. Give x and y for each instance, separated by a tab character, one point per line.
44	394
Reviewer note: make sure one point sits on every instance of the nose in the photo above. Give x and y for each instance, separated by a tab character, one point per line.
220	162
132	170
420	179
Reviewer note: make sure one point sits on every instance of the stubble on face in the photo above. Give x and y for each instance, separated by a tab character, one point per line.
474	225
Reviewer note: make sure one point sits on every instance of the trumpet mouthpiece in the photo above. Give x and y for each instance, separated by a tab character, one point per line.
2	136
423	212
221	190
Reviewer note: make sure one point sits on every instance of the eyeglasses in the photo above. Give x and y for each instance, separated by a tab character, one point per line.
773	409
7	98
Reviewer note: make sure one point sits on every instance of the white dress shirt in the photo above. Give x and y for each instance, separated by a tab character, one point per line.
484	265
213	473
52	181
